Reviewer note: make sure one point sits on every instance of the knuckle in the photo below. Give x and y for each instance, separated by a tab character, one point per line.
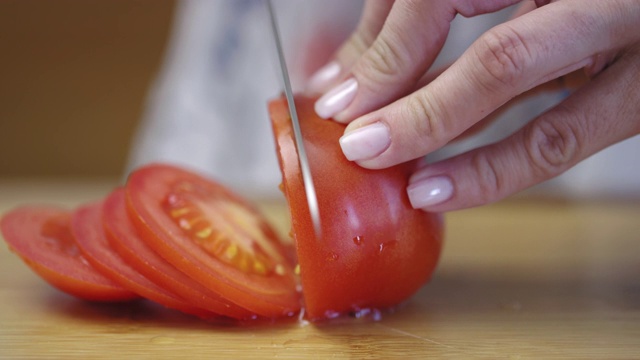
490	184
388	58
503	54
553	144
428	126
359	41
385	59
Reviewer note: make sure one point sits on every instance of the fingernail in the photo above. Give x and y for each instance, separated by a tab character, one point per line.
323	78
430	191
366	142
337	99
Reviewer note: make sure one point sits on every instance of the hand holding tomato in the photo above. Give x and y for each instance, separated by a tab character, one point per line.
397	112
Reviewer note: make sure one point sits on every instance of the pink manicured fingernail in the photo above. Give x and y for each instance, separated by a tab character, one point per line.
323	78
430	191
366	142
337	99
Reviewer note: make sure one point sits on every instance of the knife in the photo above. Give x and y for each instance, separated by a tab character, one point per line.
309	188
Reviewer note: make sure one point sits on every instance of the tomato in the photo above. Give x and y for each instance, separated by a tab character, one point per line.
213	236
41	236
124	239
86	227
375	250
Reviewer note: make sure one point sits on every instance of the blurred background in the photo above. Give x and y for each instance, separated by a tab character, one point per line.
74	76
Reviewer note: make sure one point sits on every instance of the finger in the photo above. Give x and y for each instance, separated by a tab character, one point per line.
601	113
410	39
568	82
373	16
429	76
507	60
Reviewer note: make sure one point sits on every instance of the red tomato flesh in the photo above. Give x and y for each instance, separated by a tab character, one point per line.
41	236
124	239
213	236
375	249
86	226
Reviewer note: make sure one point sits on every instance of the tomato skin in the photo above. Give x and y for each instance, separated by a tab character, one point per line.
124	239
148	191
375	250
86	226
41	236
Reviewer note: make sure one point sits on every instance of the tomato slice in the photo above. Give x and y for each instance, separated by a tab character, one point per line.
41	236
124	239
213	236
375	250
86	226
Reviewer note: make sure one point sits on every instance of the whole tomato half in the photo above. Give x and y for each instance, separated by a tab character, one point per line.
375	250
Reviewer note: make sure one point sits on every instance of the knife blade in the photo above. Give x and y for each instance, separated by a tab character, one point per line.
309	188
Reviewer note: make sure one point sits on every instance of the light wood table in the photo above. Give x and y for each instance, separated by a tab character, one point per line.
520	279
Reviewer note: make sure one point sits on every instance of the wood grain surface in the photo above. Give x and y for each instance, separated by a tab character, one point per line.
522	279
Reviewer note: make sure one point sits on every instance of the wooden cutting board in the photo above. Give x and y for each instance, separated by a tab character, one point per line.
520	279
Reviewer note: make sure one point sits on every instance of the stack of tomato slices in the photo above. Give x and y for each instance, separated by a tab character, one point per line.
170	236
182	240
